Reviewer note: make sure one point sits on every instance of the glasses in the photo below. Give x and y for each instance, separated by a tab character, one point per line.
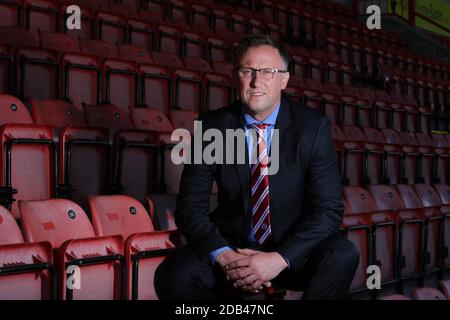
266	73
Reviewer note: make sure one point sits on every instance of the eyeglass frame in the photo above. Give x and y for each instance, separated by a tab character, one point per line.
274	70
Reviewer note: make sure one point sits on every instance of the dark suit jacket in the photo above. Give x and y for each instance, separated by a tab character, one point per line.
306	203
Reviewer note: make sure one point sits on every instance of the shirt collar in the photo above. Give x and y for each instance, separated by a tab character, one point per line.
271	119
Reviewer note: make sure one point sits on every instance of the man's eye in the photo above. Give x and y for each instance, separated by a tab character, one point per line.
266	72
246	72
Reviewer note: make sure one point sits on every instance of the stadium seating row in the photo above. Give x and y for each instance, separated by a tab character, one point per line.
59	253
92	71
399	228
101	151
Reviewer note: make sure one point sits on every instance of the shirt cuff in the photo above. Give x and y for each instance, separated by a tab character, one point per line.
213	255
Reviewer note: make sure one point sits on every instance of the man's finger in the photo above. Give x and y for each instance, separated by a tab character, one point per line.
257	284
248	281
247	252
237	264
267	284
235	274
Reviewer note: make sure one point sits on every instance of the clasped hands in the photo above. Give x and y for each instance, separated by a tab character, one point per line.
251	270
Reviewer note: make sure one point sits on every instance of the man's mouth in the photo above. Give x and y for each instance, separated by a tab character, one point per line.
257	94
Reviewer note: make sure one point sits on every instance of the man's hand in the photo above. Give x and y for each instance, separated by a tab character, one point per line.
255	270
228	256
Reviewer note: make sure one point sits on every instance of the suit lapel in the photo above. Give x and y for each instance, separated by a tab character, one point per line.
285	152
242	170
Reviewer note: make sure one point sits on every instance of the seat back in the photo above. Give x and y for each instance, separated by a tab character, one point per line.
82	80
58	41
150	119
66	226
107	116
444	286
84	162
98	48
55	220
431	204
356	223
57	113
428	294
28	154
13	110
9	230
119	214
38	74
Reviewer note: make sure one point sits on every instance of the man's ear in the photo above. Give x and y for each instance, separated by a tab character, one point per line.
284	80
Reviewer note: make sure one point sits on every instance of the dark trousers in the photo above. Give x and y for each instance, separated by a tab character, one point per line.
326	274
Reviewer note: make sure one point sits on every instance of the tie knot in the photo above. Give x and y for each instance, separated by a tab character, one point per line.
260	126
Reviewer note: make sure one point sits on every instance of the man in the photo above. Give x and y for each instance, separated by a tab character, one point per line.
279	229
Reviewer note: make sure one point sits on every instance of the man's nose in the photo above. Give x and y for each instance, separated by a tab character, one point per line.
256	79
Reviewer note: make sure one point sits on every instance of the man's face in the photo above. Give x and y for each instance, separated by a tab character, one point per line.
261	95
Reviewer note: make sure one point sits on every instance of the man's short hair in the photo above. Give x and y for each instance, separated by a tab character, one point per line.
258	40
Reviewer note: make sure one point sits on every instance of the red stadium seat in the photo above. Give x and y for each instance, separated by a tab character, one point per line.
389	205
434	240
82	79
107	116
428	294
22	38
201	14
145	249
26	270
153	119
410	165
84	163
150	119
183	119
356	227
393	149
123	9
10	13
28	153
443	191
58	41
56	113
66	226
427	157
38	74
142	32
411	227
215	87
363	163
40	15
194	45
136	163
170	40
443	158
6	69
157	6
444	286
218	50
179	10
111	28
95	5
99	48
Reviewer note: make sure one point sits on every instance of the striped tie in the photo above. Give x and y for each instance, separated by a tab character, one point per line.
259	199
